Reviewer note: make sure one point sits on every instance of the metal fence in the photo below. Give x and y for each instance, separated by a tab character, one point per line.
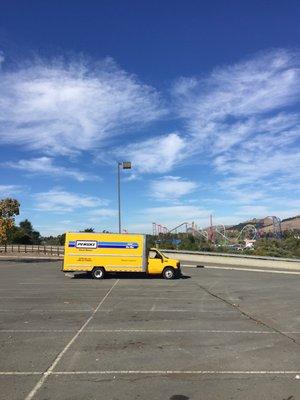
29	248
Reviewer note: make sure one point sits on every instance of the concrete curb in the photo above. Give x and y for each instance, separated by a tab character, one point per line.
29	258
206	253
247	262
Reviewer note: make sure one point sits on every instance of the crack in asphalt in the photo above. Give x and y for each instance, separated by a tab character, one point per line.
245	314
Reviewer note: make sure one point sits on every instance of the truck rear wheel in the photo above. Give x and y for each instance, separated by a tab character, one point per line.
168	273
98	273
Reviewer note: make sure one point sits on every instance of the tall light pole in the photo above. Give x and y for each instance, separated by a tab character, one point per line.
124	165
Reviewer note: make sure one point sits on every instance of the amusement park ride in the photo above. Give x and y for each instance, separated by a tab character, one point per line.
221	234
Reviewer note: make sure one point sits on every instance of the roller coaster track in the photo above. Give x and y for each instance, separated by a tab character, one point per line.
249	231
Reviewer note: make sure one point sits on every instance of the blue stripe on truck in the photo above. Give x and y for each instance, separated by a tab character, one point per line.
117	245
111	245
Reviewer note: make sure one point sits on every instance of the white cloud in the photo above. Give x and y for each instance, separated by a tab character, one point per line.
230	94
57	200
242	120
171	188
260	175
175	214
47	166
61	107
291	208
158	155
143	227
9	190
254	211
104	212
239	104
283	213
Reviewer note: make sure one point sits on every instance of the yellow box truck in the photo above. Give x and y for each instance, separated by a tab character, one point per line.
101	253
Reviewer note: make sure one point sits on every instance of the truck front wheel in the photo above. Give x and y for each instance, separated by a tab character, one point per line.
168	273
98	273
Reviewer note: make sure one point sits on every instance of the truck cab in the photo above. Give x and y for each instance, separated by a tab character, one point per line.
158	263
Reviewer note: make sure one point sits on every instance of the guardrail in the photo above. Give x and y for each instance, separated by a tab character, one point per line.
215	254
32	249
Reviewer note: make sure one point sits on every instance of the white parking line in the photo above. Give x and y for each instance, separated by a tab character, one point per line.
58	290
76	283
34	299
45	311
116	309
150	372
170	372
248	269
20	373
36	330
189	265
155	289
183	331
50	296
148	331
60	355
185	310
157	298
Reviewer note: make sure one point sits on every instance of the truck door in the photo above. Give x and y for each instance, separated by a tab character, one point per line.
155	262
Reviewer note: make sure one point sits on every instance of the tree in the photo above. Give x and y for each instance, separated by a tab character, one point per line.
58	240
91	230
25	234
61	239
9	208
26	226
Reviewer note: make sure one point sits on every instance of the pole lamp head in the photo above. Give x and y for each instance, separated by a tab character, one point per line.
126	165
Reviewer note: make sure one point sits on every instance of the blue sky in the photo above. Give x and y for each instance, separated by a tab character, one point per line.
202	97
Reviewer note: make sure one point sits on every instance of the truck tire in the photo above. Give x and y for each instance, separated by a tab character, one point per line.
168	273
98	273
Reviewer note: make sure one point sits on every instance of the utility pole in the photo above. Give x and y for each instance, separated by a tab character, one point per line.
119	196
124	165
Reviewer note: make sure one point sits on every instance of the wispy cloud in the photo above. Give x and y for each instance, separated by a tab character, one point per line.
231	95
248	168
176	213
156	155
58	200
47	166
243	120
103	212
10	190
257	211
171	188
62	107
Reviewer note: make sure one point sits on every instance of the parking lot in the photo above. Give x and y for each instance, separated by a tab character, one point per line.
215	334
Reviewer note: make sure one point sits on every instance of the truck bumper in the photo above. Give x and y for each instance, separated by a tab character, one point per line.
178	272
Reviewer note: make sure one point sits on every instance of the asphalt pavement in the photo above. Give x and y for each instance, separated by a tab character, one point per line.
215	334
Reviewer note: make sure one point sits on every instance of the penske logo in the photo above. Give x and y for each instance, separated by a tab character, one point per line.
86	244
